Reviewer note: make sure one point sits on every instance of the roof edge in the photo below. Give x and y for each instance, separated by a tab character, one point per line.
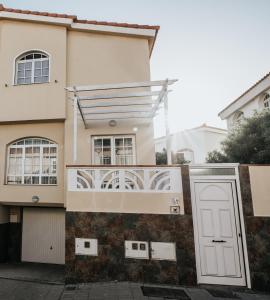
75	19
242	95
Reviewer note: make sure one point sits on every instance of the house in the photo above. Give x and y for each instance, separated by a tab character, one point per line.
255	99
78	180
193	145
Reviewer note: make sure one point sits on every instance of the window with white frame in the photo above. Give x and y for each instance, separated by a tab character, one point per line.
32	67
113	150
32	161
266	101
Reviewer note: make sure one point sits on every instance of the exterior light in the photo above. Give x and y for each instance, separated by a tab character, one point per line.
35	199
112	123
135	129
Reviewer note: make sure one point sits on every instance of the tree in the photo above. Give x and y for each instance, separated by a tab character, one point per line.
161	158
248	143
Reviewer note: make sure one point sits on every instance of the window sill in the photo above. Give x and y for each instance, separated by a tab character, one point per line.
18	184
32	83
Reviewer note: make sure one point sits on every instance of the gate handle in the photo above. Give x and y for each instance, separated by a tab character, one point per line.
218	241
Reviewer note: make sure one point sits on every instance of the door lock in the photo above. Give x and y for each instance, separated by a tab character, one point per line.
218	241
51	248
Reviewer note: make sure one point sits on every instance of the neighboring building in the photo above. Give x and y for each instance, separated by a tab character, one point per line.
193	144
255	99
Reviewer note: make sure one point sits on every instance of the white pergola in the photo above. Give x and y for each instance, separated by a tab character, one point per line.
122	101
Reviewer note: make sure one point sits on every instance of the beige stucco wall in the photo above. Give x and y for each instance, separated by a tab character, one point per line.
76	58
22	194
38	101
260	189
123	202
99	59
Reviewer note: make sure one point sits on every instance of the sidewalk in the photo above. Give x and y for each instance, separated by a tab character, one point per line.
135	291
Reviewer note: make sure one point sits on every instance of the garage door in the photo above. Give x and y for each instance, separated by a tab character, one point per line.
43	236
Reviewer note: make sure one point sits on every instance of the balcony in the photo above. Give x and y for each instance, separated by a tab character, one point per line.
127	189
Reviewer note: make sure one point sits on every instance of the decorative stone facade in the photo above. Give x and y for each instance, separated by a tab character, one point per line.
111	230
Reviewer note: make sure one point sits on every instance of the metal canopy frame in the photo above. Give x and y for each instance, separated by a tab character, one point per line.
122	101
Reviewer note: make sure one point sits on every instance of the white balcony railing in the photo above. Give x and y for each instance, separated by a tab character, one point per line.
125	179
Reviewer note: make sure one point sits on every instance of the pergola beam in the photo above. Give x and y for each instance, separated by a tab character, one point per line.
120	95
109	104
113	86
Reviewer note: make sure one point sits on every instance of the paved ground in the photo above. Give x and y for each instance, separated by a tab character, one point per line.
26	290
48	273
31	281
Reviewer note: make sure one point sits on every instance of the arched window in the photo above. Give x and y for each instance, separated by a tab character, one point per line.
238	117
32	67
266	101
32	161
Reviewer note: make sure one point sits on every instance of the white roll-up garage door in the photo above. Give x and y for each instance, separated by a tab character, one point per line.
43	236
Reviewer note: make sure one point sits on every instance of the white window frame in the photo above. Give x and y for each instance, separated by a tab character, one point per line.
40	175
18	61
112	138
266	99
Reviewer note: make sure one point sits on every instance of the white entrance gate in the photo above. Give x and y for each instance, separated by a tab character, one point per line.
218	235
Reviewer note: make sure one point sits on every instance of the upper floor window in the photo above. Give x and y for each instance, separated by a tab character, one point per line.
32	161
114	150
32	67
238	117
266	101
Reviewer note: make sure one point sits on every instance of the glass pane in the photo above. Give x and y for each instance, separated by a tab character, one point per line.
38	79
20	81
98	143
37	64
44	79
27	80
29	56
45	72
37	72
28	73
28	65
53	180
20	74
45	63
128	141
35	180
27	180
106	142
119	142
20	66
45	180
28	142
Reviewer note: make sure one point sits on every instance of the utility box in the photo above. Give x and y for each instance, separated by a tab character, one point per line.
163	251
86	246
136	249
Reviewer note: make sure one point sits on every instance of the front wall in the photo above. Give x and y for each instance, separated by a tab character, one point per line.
35	101
125	202
53	195
257	234
101	59
260	189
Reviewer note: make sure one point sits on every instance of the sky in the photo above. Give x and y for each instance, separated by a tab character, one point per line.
215	48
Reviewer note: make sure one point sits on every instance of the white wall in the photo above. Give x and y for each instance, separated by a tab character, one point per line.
249	109
200	140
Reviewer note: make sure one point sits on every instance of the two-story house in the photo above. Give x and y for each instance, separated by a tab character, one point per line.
65	191
255	99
